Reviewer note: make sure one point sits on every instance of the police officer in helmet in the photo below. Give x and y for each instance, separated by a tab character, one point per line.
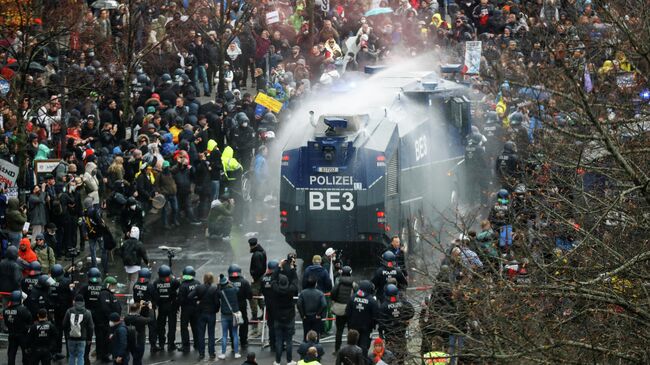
476	169
107	304
362	312
394	316
28	282
90	292
244	293
39	297
17	318
267	292
143	291
386	272
165	298
61	295
508	165
189	309
41	337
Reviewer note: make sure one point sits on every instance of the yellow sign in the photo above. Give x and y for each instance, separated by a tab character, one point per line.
268	102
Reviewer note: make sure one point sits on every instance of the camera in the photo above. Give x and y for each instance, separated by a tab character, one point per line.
72	252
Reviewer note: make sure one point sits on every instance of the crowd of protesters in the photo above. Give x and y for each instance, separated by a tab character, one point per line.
169	146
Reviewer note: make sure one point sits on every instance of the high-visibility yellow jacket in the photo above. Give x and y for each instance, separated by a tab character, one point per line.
436	357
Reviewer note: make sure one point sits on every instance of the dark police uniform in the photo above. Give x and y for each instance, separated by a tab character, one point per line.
165	298
17	319
267	292
143	291
189	313
385	273
362	312
38	298
42	337
107	304
90	292
61	296
29	282
393	322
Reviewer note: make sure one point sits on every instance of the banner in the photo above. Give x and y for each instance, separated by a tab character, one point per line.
272	17
8	173
472	57
45	166
267	101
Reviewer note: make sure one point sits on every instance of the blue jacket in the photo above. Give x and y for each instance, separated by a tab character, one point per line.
323	281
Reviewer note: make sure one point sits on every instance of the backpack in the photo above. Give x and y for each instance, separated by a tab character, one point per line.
129	253
131	338
75	325
57	207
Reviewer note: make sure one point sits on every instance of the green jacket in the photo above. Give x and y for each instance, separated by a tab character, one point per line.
14	217
46	257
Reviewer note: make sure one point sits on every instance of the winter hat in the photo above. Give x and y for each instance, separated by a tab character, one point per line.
252	241
114	317
79	298
135	233
329	252
223	280
40	236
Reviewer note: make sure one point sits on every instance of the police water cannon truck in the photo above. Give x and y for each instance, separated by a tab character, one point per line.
363	178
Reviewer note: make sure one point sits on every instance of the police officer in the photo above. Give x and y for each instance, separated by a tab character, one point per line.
39	297
28	282
107	304
90	293
17	320
143	291
267	292
244	292
476	168
394	316
61	295
508	164
42	337
388	271
189	308
165	299
362	313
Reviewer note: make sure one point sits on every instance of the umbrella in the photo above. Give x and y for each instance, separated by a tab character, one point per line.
105	4
378	11
33	66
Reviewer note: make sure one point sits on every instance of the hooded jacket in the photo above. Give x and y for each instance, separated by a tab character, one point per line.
168	147
86	321
258	262
25	251
321	275
91	183
230	163
14	217
284	290
10	271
